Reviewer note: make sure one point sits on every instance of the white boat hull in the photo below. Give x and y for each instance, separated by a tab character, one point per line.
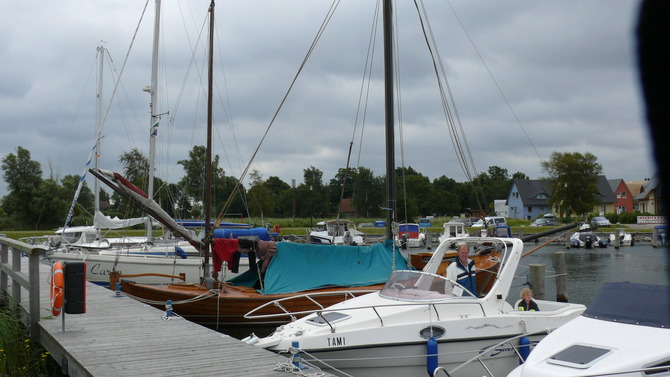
99	266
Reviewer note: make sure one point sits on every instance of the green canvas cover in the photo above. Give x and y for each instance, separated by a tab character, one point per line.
299	267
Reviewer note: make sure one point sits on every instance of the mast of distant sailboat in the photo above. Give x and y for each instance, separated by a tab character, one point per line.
389	116
153	105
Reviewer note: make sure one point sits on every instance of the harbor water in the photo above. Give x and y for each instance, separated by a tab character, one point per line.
588	269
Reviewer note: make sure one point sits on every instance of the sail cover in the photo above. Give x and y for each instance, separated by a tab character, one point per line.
126	189
106	222
299	267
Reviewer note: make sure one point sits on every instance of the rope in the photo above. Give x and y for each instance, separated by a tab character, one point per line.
203	296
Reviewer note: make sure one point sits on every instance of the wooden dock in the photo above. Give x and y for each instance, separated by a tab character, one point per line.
119	336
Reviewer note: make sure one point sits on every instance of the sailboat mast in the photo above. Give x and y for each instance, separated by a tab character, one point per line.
389	116
153	130
208	149
98	127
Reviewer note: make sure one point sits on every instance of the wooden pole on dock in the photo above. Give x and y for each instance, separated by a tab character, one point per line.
537	280
561	276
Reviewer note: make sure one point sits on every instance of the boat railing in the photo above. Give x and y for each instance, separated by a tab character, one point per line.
496	347
278	303
375	308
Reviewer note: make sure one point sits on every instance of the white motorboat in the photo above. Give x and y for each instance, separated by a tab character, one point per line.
387	333
625	238
336	232
624	332
584	238
453	229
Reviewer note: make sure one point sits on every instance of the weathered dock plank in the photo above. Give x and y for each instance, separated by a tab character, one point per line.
119	336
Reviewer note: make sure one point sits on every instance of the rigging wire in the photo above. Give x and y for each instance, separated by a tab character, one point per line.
495	82
458	137
319	33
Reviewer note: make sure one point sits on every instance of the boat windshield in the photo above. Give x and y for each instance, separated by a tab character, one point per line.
420	286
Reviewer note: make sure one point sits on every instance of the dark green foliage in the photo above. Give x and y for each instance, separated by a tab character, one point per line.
18	355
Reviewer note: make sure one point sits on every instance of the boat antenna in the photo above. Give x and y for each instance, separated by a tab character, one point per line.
208	151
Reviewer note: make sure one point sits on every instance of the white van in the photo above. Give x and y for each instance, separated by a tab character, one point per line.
495	221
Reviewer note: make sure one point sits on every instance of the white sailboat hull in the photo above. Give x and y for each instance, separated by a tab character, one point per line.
99	266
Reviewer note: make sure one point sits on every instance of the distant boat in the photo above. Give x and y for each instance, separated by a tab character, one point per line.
625	238
453	229
660	236
410	236
336	232
584	238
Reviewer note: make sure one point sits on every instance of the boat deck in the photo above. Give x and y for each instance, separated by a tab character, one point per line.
119	336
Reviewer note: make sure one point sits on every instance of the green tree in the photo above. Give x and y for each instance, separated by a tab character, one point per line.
369	193
314	191
260	195
283	199
446	200
193	183
573	179
414	193
23	177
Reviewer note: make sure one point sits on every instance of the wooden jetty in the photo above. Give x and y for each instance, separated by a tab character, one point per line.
119	336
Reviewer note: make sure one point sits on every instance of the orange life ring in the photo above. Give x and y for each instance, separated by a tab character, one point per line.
57	281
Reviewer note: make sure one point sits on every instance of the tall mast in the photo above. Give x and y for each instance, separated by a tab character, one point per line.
98	129
389	113
153	130
208	149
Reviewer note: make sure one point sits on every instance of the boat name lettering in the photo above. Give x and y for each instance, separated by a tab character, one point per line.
338	341
96	270
498	350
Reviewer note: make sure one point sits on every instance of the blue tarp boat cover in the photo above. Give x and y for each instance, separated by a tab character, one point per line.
298	267
201	224
633	303
259	232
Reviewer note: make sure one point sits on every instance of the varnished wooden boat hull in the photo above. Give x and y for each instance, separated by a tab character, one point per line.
229	305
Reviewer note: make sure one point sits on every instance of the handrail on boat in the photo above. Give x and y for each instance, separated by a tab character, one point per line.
487	350
309	296
251	315
116	276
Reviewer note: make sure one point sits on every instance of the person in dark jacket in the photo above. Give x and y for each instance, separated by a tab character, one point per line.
462	270
527	303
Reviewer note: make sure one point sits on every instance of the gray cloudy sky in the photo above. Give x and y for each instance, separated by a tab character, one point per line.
567	69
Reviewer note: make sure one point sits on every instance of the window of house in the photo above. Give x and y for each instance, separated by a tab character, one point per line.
530	209
618	194
623	195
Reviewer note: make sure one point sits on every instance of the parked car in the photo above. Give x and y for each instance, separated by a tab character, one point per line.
540	222
599	221
551	218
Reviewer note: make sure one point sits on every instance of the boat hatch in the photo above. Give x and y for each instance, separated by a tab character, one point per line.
323	319
579	356
432	331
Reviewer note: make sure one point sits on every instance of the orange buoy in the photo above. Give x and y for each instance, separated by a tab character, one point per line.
57	281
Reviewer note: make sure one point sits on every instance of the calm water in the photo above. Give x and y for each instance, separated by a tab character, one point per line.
589	268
